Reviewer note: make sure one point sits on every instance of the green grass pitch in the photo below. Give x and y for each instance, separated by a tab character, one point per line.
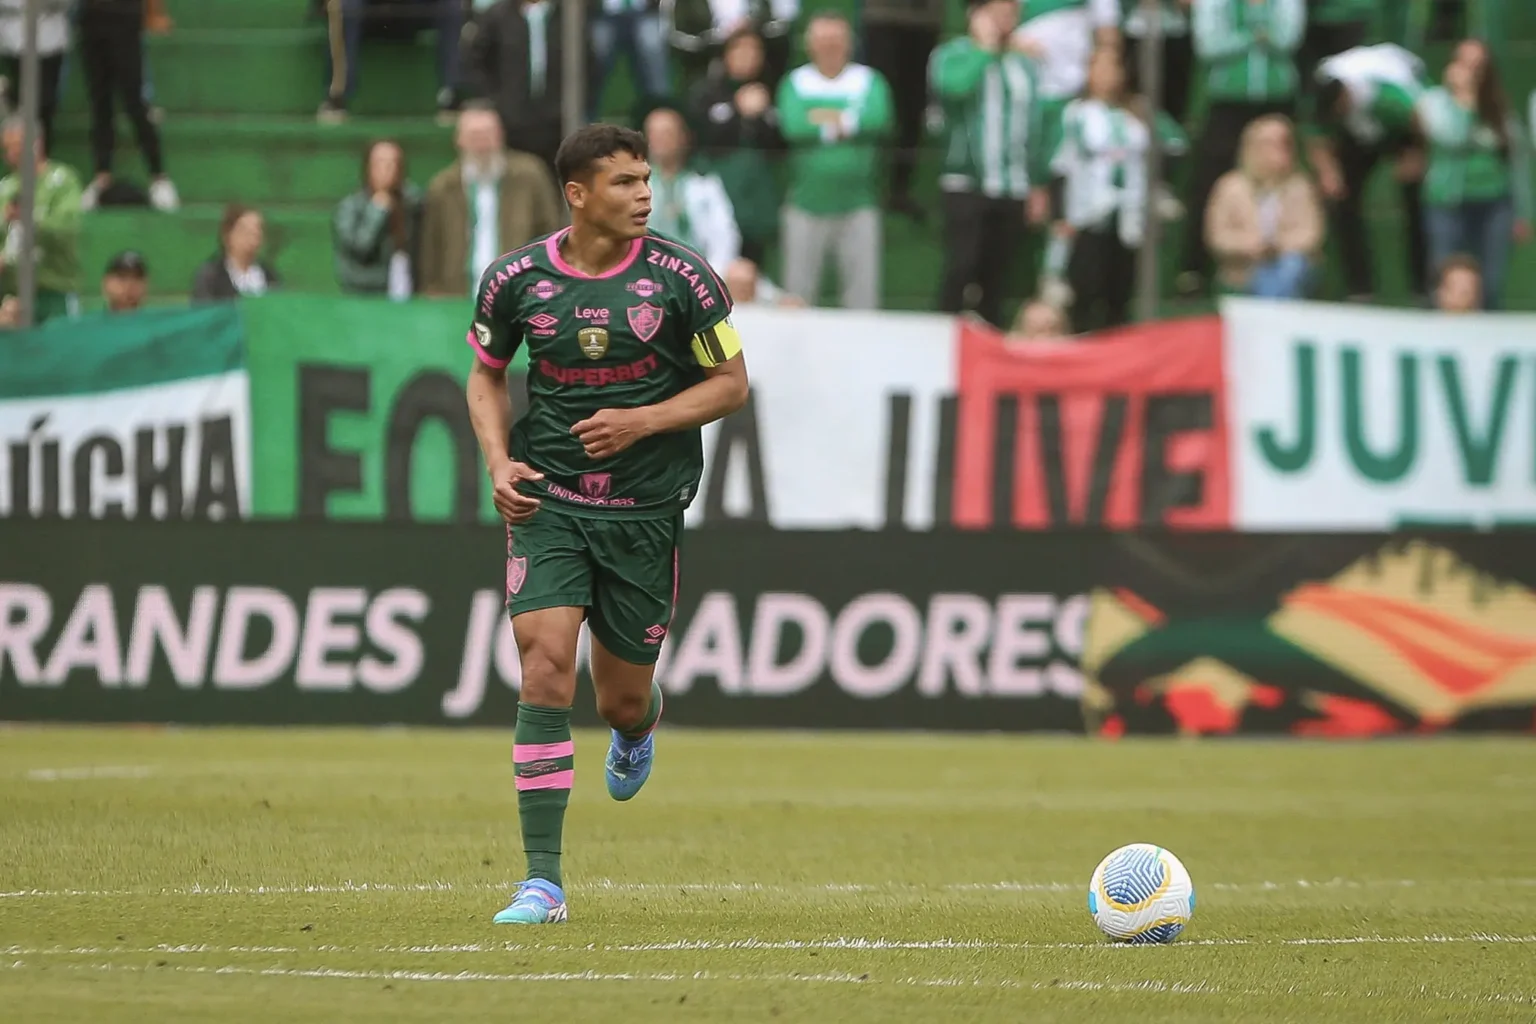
350	875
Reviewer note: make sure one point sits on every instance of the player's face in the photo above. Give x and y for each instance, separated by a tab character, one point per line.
618	201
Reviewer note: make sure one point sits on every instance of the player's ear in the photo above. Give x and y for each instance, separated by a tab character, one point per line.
575	194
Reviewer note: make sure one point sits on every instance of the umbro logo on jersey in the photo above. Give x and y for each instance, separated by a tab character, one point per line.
543	324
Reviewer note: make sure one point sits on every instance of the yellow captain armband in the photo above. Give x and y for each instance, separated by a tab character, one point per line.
715	345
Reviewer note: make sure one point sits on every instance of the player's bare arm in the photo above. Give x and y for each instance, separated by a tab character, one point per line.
722	391
490	413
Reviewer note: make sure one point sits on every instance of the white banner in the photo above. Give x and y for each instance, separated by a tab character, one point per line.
1351	419
180	449
823	384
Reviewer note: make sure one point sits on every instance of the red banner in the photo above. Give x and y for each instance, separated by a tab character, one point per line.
1126	430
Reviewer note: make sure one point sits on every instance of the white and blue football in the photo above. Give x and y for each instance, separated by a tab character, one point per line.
1141	894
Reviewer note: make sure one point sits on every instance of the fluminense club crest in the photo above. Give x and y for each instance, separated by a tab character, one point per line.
517	573
645	320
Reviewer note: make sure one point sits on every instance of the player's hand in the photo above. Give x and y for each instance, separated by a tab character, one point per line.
514	506
609	431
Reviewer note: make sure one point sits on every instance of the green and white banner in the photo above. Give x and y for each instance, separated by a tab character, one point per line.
145	415
1345	418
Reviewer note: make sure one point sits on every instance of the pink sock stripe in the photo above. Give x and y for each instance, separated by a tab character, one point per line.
554	780
522	753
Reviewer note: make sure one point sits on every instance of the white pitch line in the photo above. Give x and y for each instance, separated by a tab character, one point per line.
1148	986
859	944
98	772
831	888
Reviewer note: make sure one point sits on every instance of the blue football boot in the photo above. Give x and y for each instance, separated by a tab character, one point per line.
628	765
537	902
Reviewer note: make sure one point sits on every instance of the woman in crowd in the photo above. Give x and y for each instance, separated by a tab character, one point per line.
377	228
1264	224
237	268
1477	188
1101	188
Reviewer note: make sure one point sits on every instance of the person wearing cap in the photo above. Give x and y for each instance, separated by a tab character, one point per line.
125	282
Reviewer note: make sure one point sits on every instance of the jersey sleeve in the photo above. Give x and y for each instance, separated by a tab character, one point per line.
713	337
496	330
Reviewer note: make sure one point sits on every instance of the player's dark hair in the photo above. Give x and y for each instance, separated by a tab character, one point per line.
583	148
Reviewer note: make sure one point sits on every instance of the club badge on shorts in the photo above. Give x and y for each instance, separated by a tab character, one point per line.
593	342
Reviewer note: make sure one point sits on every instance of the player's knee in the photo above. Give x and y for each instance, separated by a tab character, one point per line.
549	675
623	709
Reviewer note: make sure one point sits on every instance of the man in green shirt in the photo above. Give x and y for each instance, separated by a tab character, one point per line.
1364	113
56	224
836	116
992	136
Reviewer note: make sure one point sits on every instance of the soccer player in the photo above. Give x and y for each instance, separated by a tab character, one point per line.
630	351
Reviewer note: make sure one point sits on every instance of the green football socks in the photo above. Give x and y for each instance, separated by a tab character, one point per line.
544	758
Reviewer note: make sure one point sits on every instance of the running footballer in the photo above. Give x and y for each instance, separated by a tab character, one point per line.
630	351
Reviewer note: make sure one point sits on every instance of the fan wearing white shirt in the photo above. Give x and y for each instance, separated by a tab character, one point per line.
687	204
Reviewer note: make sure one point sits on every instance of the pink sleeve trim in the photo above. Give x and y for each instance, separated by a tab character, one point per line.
485	357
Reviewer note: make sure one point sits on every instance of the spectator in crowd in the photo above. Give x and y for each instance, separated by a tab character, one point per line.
749	286
688	204
633	27
126	282
488	202
1101	189
1248	48
515	62
1060	36
1178	52
1265	224
987	93
377	229
53	26
1425	23
899	37
1460	286
237	269
345	21
1039	320
112	55
699	29
737	129
835	116
1365	101
1477	187
56	226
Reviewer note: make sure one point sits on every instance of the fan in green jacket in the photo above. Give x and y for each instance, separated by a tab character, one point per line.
989	98
377	229
56	224
1419	23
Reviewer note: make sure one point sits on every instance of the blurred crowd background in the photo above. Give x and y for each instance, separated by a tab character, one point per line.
984	157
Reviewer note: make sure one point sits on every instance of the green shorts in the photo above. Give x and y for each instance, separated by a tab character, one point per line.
622	571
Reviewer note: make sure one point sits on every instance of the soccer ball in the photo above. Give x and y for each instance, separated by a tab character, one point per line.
1141	894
